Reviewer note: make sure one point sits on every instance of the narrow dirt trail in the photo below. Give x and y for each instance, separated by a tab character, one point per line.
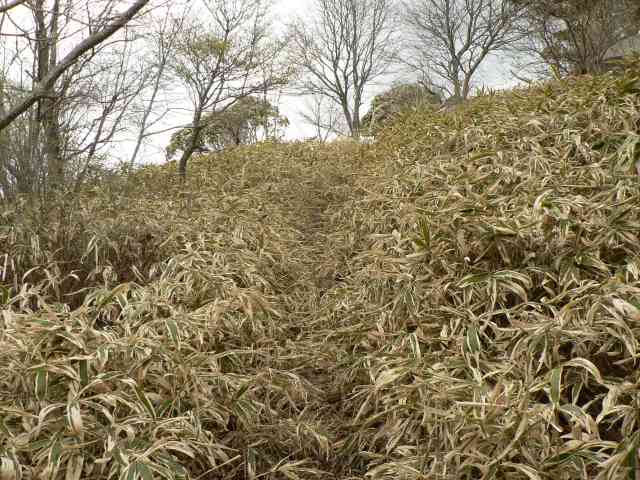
315	306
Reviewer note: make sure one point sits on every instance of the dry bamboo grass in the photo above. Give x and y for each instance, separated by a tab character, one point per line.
460	300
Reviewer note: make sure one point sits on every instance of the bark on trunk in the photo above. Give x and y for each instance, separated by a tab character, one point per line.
356	120
46	56
191	146
41	88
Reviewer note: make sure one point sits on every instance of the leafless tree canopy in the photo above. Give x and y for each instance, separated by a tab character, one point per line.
343	49
448	40
325	116
576	36
223	59
161	35
78	77
56	69
65	89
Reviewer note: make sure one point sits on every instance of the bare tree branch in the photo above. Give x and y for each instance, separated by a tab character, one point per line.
222	61
576	36
343	51
448	40
163	40
8	6
325	117
46	83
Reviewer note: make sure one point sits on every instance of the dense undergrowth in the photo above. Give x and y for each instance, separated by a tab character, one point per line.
460	300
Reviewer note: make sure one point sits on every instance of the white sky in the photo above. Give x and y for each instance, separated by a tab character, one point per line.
290	105
494	74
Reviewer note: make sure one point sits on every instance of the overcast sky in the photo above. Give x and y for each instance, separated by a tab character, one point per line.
290	106
494	74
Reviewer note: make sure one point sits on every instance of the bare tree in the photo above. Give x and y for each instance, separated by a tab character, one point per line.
325	116
160	42
56	69
222	61
341	51
47	35
448	40
98	109
574	36
49	105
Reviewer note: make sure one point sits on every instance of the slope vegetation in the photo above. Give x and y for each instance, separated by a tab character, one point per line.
460	300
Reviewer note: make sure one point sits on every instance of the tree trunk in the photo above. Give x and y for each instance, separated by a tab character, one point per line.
192	144
46	56
41	88
466	87
356	117
355	133
52	144
348	117
147	113
187	152
457	89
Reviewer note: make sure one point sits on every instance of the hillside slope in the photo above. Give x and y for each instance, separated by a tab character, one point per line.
460	300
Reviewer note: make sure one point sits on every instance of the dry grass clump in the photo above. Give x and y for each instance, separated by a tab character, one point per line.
460	300
496	288
174	358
